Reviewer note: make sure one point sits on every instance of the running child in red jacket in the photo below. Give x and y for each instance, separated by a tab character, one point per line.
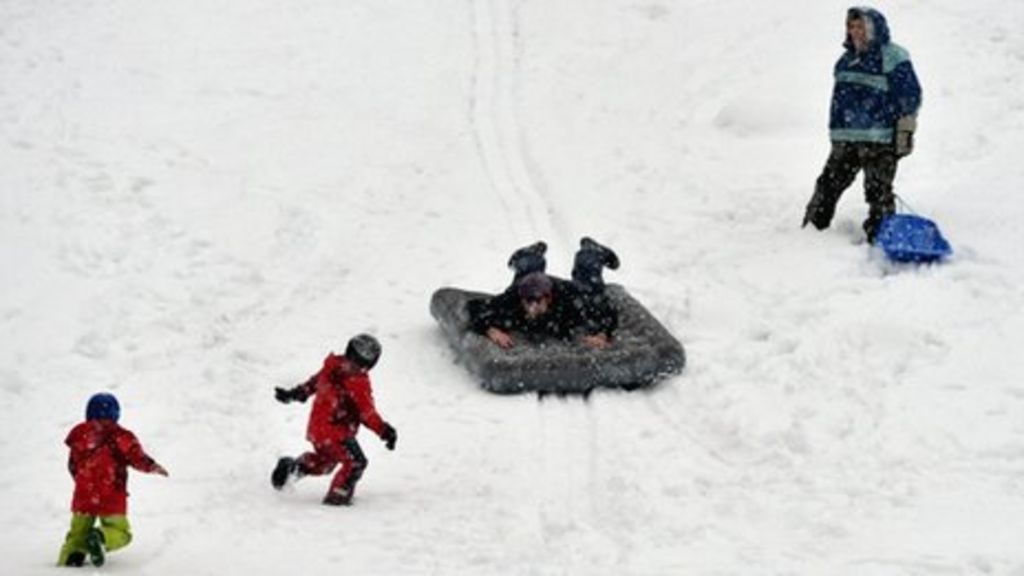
344	400
101	452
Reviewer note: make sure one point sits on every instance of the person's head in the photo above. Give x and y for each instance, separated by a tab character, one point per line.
536	291
858	29
363	351
103	406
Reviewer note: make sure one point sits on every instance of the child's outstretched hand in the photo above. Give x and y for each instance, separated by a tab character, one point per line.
158	469
283	395
389	436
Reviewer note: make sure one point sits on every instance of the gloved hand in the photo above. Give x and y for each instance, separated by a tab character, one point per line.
389	436
283	395
905	128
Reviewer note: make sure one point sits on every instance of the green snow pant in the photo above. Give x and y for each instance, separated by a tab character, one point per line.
116	534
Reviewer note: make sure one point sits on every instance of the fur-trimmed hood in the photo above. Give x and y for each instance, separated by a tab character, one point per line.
877	26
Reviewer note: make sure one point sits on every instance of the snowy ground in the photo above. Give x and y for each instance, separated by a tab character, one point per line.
199	199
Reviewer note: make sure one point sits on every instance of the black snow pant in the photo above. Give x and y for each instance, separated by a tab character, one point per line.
878	160
587	275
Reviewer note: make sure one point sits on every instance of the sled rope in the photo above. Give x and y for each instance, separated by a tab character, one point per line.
904	206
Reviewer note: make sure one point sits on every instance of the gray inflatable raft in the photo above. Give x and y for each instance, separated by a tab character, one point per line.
643	351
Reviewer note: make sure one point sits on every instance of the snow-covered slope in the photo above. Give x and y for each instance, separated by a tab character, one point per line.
199	199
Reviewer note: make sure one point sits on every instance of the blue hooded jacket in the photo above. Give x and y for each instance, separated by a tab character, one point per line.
874	88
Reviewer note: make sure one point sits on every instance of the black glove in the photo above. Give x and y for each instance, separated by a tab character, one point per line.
389	436
283	395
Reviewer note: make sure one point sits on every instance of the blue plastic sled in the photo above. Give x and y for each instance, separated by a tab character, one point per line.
909	238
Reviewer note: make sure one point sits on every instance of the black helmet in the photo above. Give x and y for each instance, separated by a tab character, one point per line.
363	350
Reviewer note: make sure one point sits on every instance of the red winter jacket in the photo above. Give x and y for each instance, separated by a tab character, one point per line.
343	400
101	452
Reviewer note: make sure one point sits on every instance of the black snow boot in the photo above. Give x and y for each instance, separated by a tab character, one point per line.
608	256
285	469
819	211
528	259
75	559
589	264
95	544
871	228
875	216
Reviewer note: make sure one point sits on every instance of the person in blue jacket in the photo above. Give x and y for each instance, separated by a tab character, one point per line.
875	101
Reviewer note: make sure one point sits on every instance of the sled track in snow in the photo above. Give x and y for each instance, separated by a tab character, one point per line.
572	494
494	99
569	481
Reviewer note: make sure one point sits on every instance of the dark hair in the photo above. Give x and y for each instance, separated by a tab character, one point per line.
535	286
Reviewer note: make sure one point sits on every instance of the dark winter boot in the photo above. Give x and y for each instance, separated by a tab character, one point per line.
820	210
876	214
286	468
608	256
882	207
871	228
528	259
590	260
338	497
94	543
75	559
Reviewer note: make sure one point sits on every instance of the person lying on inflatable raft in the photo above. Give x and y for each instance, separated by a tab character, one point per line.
537	306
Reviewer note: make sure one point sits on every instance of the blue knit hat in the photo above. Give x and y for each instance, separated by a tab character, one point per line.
103	406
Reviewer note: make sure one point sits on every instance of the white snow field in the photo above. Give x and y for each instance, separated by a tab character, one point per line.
199	199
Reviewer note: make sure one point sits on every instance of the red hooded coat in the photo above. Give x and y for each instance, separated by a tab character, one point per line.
101	452
343	400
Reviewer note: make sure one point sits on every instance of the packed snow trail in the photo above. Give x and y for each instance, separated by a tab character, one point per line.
496	97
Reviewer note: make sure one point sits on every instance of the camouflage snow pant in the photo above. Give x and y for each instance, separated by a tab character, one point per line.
877	160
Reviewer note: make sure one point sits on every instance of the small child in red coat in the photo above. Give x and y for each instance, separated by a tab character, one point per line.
101	452
344	400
